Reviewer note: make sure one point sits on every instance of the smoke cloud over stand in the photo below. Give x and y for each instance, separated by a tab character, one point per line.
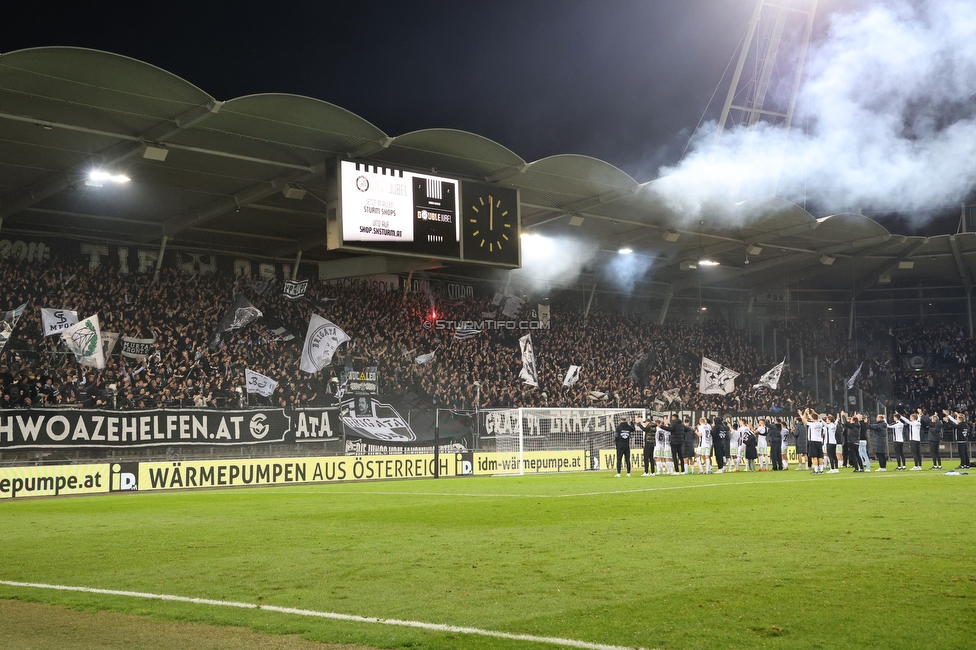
885	119
549	261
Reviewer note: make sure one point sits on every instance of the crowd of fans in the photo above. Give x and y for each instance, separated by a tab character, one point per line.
390	330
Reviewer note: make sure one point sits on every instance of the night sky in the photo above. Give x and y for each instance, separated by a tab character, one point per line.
622	80
626	81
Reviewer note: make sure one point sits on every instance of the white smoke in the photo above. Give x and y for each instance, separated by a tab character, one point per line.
553	261
885	118
624	271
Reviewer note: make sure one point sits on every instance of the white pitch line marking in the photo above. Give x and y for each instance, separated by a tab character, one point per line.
435	627
564	496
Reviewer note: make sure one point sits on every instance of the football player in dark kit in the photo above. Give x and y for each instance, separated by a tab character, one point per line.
623	433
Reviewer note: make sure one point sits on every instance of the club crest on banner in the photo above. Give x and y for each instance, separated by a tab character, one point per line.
55	321
370	418
321	341
258	383
85	341
716	379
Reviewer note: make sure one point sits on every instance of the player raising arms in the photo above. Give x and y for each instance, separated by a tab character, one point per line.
830	433
662	450
703	454
762	445
815	438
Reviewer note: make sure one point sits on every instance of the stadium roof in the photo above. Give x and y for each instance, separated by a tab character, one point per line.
64	111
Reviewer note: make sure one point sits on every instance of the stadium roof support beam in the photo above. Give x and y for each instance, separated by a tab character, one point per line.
507	172
576	207
128	147
777	261
239	199
665	305
869	279
815	268
967	281
372	265
369	148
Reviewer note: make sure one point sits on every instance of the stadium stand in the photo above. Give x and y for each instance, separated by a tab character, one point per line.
390	331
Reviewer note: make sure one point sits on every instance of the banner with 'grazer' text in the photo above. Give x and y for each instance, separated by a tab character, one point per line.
71	428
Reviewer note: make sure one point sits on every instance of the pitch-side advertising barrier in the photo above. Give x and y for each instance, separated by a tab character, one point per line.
59	480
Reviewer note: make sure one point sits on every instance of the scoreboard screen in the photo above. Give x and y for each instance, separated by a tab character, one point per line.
393	210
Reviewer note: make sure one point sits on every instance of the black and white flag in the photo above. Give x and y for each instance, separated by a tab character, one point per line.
259	286
716	379
465	333
240	314
643	367
295	289
55	321
771	378
8	321
283	333
850	382
258	383
544	314
109	341
321	341
512	306
528	373
137	349
572	376
672	395
424	359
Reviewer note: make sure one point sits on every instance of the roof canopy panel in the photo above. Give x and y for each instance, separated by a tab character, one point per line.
113	91
220	184
294	121
449	151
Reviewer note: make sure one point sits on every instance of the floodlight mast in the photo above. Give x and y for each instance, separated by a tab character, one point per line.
774	23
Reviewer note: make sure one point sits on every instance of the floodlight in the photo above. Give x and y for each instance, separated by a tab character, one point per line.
97	177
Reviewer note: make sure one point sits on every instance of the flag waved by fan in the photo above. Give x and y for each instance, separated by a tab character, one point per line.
85	340
771	378
715	378
321	341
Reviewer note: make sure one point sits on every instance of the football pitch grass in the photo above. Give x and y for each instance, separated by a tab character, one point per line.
775	560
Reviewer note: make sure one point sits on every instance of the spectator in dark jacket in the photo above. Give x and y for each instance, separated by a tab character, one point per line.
932	425
677	431
879	441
